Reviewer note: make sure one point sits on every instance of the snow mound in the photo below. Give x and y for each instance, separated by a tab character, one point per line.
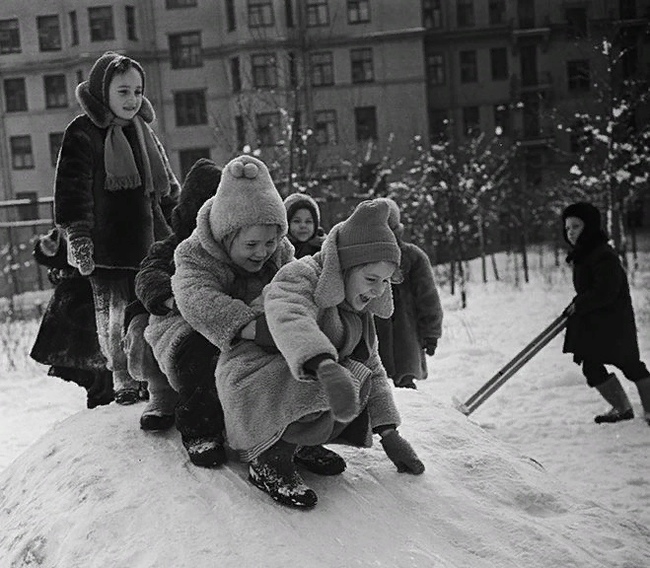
96	491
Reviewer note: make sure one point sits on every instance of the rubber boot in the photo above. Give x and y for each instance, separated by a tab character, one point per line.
274	472
643	386
612	391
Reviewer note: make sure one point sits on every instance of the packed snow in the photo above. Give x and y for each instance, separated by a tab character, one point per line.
528	480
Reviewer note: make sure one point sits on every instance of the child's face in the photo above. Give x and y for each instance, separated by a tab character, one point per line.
367	282
253	246
573	227
125	94
301	226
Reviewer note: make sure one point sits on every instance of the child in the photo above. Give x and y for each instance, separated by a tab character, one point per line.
416	323
303	217
327	382
601	328
113	195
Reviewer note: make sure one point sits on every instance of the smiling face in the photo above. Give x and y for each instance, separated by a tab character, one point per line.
302	226
253	246
366	282
125	94
573	227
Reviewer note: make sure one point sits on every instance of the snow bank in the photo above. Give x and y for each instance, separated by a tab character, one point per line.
96	491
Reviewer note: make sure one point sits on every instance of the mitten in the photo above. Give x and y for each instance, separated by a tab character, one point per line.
80	255
401	453
430	345
339	387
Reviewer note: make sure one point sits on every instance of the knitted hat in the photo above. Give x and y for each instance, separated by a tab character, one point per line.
393	216
365	236
246	196
298	201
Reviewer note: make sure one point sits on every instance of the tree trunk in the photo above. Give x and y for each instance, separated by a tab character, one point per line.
494	267
481	244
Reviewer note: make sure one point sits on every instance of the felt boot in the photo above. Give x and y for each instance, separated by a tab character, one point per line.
127	390
159	412
320	460
612	391
274	472
643	386
205	452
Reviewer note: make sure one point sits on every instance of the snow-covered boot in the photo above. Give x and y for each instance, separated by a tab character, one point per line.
612	391
274	472
643	386
127	390
159	412
320	460
205	451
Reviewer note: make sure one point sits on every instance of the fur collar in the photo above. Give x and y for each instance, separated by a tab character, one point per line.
100	115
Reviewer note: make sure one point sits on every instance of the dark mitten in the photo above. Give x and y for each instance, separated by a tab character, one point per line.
430	345
80	255
339	386
401	453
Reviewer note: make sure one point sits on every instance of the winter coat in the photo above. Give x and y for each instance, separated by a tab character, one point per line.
417	317
122	224
262	393
310	247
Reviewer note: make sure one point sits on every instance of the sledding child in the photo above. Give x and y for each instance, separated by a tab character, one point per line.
601	329
236	248
416	324
199	414
303	218
113	196
327	382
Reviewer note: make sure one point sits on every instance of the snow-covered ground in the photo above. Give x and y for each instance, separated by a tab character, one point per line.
481	502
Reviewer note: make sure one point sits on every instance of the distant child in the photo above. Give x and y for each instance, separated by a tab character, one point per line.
327	383
416	324
601	329
113	196
303	217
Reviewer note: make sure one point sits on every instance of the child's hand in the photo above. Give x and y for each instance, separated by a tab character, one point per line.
430	345
80	255
339	386
401	453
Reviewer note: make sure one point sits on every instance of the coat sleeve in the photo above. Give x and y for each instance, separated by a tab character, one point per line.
199	284
73	183
292	316
381	404
425	294
153	282
605	286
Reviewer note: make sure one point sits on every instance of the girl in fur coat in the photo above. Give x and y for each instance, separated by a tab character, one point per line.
327	383
113	195
303	218
601	328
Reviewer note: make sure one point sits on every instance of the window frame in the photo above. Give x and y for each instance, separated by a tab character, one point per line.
471	128
356	8
13	34
466	9
362	66
494	61
27	164
468	69
55	98
49	33
268	70
315	16
182	53
440	71
578	81
325	80
11	96
131	22
107	28
190	108
374	130
266	137
260	14
180	4
326	131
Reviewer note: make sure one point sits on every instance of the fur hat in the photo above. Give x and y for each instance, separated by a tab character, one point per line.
366	237
92	94
298	201
246	196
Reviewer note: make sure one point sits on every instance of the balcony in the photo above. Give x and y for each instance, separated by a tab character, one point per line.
531	84
529	32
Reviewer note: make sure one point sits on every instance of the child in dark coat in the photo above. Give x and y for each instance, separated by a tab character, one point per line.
303	218
113	195
601	328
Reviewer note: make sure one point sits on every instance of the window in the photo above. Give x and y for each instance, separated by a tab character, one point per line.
361	62
173	4
56	91
293	70
576	19
497	12
431	14
465	13
9	36
190	108
578	75
526	13
358	11
240	132
235	75
370	177
260	13
628	9
325	127
502	119
56	138
317	13
49	33
268	128
131	28
322	69
100	21
15	95
21	152
528	64
438	122
189	157
185	50
265	74
80	76
578	138
74	28
435	69
231	19
499	63
468	68
27	211
471	120
365	120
